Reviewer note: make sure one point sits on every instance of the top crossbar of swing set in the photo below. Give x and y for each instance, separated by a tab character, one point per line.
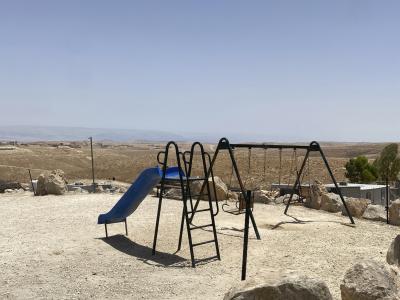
313	146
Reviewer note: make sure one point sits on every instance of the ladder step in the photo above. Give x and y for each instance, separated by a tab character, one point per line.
202	226
207	259
203	243
199	210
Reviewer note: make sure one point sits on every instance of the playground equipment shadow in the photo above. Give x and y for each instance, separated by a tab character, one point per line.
297	221
143	253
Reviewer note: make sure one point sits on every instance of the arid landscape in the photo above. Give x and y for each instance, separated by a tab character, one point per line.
125	161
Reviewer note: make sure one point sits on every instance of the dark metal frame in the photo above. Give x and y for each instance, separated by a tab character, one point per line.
91	153
126	227
224	144
185	192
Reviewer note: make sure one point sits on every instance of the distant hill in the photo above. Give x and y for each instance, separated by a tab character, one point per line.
42	133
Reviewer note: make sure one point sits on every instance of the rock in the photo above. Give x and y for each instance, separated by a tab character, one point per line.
9	185
285	198
331	202
56	183
99	189
53	184
356	206
153	191
26	186
317	189
264	196
393	254
9	191
375	213
220	188
123	190
41	185
394	212
173	194
369	280
233	196
280	286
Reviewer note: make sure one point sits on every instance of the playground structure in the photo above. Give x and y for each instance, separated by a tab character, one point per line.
181	175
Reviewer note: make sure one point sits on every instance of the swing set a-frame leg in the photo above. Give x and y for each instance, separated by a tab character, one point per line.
316	147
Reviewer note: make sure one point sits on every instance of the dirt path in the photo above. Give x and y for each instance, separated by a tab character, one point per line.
51	247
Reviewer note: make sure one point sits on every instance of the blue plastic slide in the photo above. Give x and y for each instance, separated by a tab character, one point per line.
130	201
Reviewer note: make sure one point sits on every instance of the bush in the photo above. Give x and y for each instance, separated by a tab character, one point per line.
360	170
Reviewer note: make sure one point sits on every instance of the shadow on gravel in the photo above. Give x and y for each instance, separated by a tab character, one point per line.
143	253
300	222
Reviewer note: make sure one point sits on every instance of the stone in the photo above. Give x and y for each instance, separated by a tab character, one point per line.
53	184
369	280
280	286
331	202
375	213
173	193
261	197
264	196
393	254
285	198
317	189
356	206
220	188
233	196
394	212
41	185
56	183
9	185
99	189
123	190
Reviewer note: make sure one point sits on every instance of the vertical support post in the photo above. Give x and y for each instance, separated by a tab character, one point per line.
126	228
246	235
235	167
158	215
387	200
91	152
33	188
181	230
105	226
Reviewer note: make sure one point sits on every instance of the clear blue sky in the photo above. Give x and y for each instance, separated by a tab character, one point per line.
301	70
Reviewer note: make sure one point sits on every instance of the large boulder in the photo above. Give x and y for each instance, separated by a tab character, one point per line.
220	188
394	212
233	195
285	198
331	202
356	206
317	189
393	254
280	286
369	280
375	213
51	184
264	196
173	193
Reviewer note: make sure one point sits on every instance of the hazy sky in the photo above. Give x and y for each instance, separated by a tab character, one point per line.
301	70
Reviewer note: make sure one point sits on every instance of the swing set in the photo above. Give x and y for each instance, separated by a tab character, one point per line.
185	178
293	172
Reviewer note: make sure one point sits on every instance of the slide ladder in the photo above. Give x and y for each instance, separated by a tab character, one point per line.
185	181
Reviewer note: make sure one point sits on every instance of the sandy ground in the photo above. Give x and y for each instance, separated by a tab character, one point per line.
51	247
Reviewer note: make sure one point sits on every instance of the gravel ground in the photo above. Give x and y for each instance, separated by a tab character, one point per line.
51	247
